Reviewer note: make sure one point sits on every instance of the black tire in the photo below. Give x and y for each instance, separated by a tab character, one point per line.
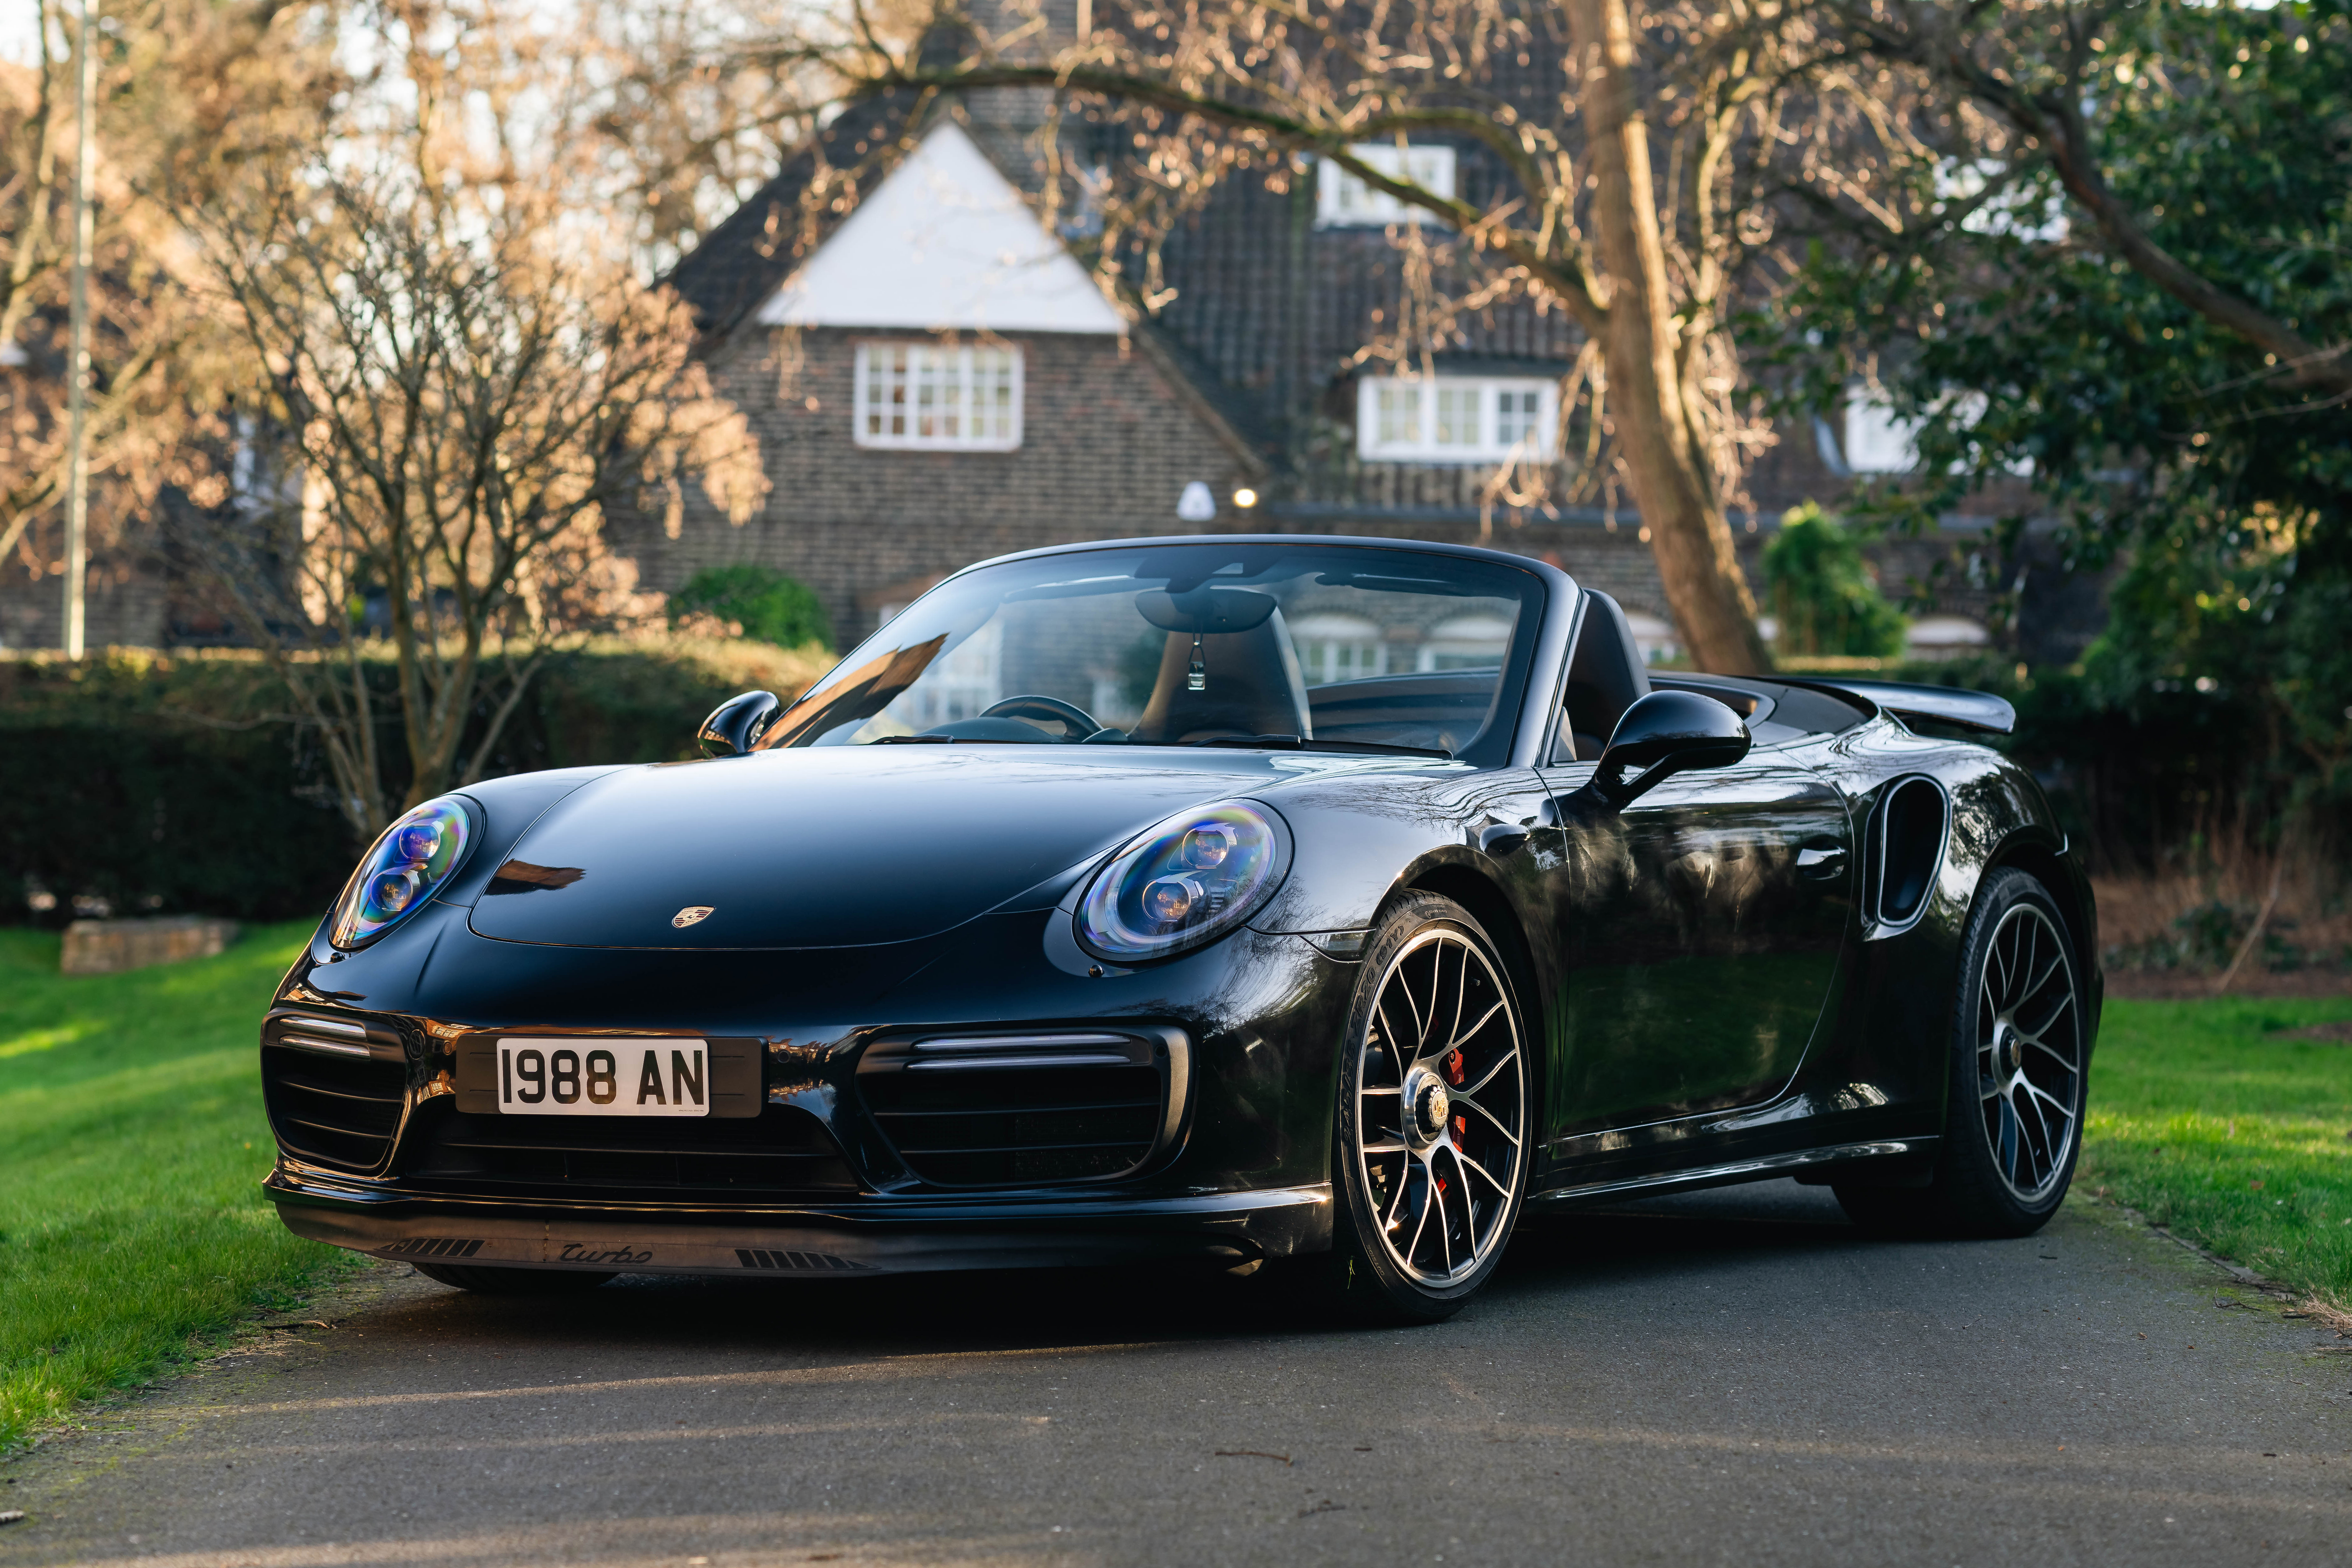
2017	1057
1462	1095
486	1279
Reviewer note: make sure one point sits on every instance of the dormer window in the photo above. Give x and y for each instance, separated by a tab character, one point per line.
1342	200
1456	419
937	397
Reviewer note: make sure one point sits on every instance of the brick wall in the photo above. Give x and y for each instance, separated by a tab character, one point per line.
1108	444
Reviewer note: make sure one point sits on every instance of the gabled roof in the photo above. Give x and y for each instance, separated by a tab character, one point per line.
944	242
742	263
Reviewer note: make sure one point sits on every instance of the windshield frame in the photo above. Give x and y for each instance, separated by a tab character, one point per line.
1528	680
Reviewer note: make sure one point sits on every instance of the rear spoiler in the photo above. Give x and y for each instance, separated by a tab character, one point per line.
1942	704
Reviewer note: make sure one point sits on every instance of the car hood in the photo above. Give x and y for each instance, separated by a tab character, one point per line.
830	846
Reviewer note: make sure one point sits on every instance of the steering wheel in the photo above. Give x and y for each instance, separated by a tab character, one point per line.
1076	721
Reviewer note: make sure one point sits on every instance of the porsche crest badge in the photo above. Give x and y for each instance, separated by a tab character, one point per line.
690	915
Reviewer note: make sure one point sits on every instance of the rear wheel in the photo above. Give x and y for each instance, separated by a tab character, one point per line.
486	1279
1430	1148
2019	1040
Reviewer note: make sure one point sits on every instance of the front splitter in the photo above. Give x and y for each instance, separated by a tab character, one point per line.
916	1237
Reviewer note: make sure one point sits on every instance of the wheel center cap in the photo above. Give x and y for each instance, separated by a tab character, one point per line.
1431	1104
2007	1050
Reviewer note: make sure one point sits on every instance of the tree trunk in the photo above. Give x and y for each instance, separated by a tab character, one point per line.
1689	535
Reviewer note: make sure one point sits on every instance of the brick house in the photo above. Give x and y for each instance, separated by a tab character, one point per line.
934	378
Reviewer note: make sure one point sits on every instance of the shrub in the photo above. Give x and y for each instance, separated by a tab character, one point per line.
765	603
166	783
1823	592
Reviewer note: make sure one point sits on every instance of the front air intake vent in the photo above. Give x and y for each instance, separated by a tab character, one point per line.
782	1150
797	1262
442	1246
334	1084
1034	1109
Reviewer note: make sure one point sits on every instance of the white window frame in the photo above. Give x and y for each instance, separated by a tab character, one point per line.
1334	648
1342	200
1425	447
1465	637
961	360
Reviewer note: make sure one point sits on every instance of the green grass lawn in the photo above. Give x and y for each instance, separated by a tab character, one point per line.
2213	1119
133	1144
131	1148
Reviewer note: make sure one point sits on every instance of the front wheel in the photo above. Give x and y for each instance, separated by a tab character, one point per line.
2019	1049
1430	1146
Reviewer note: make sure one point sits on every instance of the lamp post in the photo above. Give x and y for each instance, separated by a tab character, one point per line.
78	366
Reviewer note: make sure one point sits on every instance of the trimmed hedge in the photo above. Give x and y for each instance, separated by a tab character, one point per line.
180	784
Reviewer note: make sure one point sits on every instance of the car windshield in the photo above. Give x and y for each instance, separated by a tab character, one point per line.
1340	647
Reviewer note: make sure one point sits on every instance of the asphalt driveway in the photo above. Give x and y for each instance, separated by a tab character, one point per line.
1735	1377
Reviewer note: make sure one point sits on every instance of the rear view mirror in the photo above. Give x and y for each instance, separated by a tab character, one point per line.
1205	610
1663	733
737	725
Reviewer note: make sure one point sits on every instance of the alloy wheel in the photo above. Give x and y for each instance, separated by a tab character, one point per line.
1440	1122
2029	1034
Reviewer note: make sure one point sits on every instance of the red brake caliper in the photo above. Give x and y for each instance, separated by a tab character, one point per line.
1454	1067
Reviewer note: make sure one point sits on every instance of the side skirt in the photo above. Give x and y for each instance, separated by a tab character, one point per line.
1801	1164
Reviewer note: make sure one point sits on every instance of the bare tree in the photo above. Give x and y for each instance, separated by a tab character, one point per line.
467	376
1642	192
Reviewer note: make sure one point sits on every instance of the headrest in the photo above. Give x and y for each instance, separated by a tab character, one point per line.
1254	688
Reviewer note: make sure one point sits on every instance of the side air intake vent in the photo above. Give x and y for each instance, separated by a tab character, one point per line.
1907	850
334	1084
1039	1108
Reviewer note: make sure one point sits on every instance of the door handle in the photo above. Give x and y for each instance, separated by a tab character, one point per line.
1821	862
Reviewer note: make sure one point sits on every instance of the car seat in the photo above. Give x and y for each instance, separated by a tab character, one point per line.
1254	688
1605	677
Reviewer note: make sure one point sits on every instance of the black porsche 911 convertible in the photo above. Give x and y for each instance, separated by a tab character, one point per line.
1240	899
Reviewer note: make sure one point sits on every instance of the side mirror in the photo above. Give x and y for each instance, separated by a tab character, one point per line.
737	725
1665	734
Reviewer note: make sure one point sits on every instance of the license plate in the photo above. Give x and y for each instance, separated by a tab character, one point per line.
603	1078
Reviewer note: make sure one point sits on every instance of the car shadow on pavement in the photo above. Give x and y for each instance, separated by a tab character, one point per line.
1550	1256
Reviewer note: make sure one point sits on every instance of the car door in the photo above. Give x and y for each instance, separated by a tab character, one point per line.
1699	928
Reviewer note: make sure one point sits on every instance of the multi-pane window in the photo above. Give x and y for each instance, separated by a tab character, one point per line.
1466	642
1333	647
1343	200
1519	417
934	396
1456	419
965	684
1396	413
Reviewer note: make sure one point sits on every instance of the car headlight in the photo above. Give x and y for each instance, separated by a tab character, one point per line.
415	855
1186	883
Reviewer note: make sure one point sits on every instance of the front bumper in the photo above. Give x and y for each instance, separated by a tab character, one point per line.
904	1236
1237	1170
